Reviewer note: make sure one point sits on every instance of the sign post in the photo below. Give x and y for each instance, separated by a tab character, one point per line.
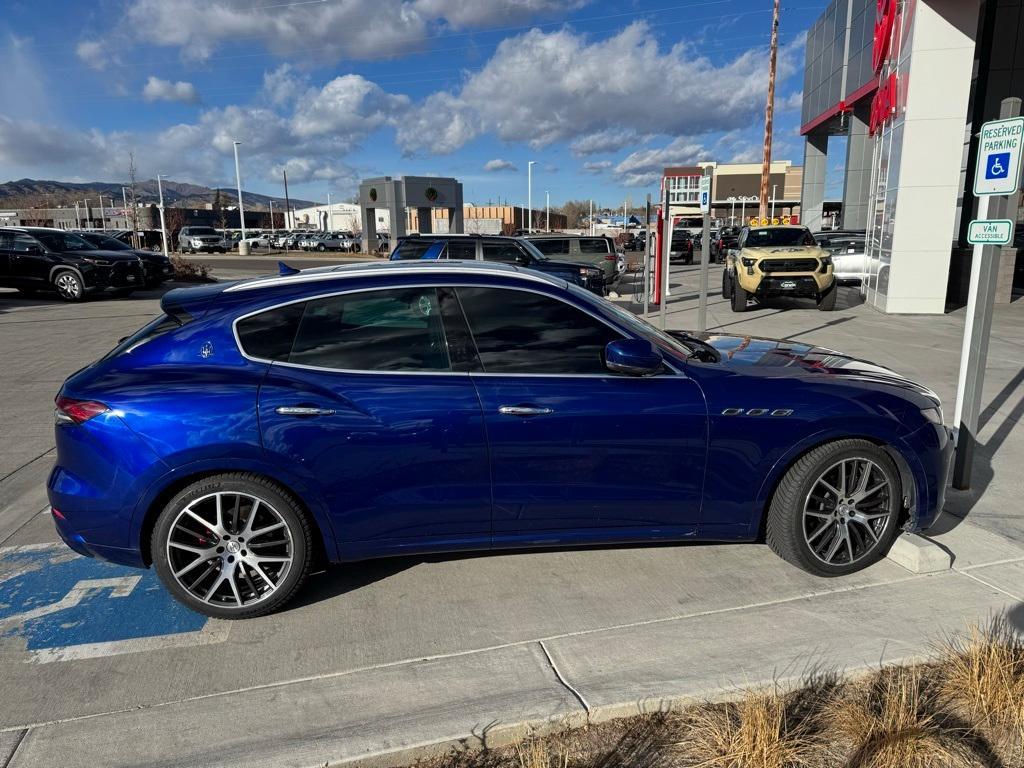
997	175
666	253
647	258
705	248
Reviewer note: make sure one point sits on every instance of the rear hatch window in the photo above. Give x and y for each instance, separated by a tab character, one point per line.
158	326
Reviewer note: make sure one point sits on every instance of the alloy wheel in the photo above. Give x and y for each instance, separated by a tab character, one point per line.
68	285
230	549
847	510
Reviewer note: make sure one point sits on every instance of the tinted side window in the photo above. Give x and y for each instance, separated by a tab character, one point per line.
504	252
552	247
269	335
460	249
396	330
523	332
594	245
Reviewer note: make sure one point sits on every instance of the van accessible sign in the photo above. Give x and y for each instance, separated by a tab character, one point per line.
990	232
999	155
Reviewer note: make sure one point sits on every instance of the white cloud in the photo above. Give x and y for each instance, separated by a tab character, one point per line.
284	85
597	166
609	140
440	125
164	90
498	164
569	88
486	13
644	168
92	53
348	104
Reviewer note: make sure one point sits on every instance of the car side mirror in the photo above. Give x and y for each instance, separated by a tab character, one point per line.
634	357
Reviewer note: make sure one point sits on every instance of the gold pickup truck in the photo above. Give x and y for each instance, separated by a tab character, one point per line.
778	261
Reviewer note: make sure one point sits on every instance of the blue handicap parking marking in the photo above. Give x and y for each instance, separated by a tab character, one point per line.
59	601
998	166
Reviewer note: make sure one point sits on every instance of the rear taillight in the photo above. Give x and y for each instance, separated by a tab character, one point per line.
71	411
609	257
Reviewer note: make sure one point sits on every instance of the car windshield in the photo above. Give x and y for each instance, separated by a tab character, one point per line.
760	238
533	250
64	241
107	243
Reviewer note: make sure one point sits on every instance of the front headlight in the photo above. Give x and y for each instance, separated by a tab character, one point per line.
197	243
748	262
826	262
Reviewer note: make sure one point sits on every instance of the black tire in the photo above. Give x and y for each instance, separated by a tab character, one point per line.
321	247
281	502
785	523
69	285
726	285
739	297
827	301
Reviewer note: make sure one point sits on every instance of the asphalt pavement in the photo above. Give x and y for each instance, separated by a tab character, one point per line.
377	659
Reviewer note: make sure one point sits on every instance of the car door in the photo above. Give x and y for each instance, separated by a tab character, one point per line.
6	254
30	262
574	447
369	402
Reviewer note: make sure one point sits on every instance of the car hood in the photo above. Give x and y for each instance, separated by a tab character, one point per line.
106	255
785	252
804	359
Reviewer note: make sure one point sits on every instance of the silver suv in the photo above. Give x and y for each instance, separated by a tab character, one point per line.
196	239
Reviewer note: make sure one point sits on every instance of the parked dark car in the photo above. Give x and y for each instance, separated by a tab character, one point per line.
257	429
157	267
728	239
682	246
41	259
505	250
145	239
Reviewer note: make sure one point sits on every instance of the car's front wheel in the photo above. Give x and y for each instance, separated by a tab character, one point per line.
837	509
739	297
827	301
69	285
726	285
232	546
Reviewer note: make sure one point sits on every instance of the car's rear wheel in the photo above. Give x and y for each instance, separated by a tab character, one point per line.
739	297
69	285
827	301
726	285
232	546
837	509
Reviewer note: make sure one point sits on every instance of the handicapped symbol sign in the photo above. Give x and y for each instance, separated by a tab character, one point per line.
998	166
64	606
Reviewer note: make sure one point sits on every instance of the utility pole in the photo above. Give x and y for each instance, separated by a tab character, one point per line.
272	231
330	213
163	226
287	205
243	247
769	113
547	211
124	199
529	194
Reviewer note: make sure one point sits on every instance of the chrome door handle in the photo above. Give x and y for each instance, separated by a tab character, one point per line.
303	410
522	410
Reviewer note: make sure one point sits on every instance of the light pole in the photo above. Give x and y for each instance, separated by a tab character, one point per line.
163	226
732	211
78	219
330	213
103	218
547	210
243	247
591	216
774	187
272	230
529	194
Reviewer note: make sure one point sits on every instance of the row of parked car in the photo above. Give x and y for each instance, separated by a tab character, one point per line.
592	262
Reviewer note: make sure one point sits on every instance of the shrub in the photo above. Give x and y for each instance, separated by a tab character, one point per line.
190	271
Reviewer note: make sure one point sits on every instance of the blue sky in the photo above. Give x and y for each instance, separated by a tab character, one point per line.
601	95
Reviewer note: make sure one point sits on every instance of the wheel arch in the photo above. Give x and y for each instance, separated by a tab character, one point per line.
887	442
162	491
71	268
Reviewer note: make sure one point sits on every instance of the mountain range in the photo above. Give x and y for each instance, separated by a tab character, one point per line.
33	193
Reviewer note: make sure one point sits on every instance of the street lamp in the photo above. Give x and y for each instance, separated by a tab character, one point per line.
163	226
243	248
272	230
774	187
732	210
529	194
547	210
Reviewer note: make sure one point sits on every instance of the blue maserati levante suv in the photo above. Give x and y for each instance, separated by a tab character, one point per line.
259	428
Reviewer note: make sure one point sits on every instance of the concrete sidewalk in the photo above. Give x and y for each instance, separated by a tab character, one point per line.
540	640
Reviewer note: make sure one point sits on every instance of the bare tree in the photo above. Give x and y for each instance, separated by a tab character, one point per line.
222	214
175	219
575	212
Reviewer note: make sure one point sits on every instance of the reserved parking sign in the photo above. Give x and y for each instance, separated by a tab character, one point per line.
999	155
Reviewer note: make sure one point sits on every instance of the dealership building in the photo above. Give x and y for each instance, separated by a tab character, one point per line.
908	83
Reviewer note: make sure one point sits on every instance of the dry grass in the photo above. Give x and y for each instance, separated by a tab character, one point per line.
981	674
761	730
190	271
965	709
895	719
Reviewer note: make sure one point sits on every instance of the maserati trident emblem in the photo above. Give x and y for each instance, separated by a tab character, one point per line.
206	350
